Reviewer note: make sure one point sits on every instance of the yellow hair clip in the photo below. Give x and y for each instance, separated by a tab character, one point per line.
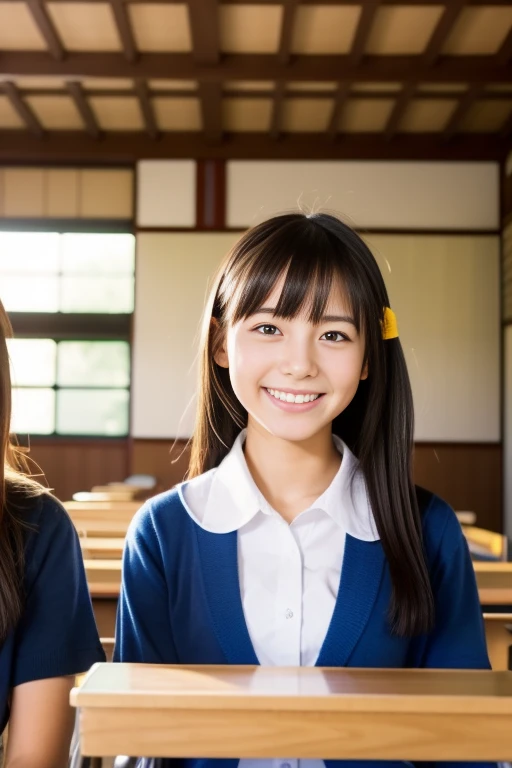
389	325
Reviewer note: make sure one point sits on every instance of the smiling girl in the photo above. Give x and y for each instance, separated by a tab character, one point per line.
299	537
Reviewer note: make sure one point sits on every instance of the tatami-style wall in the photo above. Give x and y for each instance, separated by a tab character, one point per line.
66	193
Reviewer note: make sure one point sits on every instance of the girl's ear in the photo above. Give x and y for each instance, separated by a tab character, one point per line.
220	354
364	372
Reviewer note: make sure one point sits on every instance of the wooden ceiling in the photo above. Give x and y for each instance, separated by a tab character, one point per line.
121	79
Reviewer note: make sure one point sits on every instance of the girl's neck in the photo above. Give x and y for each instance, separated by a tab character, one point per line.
290	475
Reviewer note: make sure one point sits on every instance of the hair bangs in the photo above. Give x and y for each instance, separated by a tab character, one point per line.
312	265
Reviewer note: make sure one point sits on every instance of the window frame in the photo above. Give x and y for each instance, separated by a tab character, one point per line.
75	326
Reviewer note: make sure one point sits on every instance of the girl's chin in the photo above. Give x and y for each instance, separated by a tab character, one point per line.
289	432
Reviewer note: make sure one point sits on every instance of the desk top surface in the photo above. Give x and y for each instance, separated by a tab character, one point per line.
144	686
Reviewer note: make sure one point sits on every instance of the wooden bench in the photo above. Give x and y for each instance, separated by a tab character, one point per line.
97	548
304	712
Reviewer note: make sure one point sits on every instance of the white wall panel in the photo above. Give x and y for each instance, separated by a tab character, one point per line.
166	193
173	272
378	195
445	292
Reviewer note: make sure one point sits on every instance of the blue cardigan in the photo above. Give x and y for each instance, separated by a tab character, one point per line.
180	602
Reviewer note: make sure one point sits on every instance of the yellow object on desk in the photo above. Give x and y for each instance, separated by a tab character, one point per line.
307	712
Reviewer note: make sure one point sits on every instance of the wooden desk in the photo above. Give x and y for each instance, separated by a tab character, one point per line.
484	542
120	510
305	712
88	528
102	548
498	638
494	582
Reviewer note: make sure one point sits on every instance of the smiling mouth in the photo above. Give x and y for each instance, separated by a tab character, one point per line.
289	397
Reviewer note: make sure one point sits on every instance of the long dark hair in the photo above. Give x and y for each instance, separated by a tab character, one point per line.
15	488
313	251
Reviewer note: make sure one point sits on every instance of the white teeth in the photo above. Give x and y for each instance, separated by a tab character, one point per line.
287	397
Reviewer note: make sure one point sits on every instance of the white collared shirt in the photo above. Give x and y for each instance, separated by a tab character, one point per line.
289	573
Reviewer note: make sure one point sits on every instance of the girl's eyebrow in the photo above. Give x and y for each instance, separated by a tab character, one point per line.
324	319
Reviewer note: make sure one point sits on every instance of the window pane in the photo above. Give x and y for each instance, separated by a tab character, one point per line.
29	252
97	294
33	411
92	412
103	254
29	294
32	362
93	364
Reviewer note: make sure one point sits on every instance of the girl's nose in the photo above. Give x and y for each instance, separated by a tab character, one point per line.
298	361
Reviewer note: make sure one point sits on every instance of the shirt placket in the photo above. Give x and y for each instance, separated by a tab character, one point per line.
288	611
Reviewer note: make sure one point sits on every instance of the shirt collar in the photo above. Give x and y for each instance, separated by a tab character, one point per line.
227	498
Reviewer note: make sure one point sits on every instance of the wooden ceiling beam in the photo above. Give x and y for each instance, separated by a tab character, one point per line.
505	52
264	93
124	29
364	28
465	103
146	107
128	147
287	24
276	119
399	109
76	92
445	25
181	66
340	100
22	109
204	28
47	29
210	96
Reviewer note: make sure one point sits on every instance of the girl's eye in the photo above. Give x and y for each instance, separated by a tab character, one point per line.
268	330
335	336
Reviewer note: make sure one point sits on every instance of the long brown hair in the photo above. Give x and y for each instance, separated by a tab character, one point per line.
15	487
312	251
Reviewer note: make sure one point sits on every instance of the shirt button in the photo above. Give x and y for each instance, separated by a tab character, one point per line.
289	615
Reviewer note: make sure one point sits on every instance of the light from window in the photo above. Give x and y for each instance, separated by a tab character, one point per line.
50	272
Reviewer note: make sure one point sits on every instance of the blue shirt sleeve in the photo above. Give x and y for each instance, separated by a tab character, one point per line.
143	627
57	633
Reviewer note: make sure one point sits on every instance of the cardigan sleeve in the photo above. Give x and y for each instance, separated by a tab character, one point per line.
458	638
143	627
